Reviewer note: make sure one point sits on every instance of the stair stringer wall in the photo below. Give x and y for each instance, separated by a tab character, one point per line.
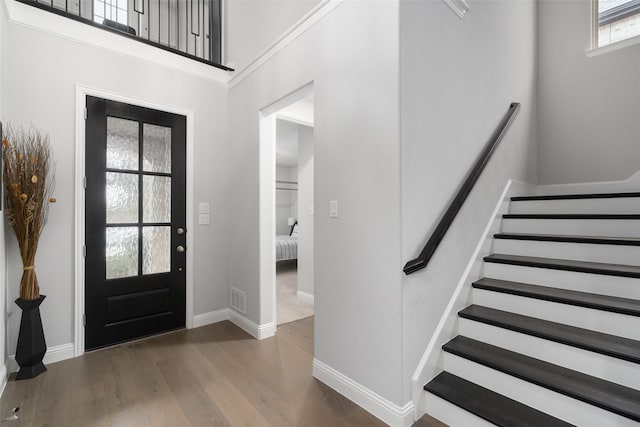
431	362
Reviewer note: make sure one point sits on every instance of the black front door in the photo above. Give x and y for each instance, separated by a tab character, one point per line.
135	222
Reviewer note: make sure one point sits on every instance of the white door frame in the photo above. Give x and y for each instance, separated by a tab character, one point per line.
81	101
267	161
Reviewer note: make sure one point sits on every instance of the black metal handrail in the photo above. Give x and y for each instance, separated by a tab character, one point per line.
189	28
447	219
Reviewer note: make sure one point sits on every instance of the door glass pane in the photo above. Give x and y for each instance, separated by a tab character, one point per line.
122	252
156	202
156	151
122	144
156	250
122	198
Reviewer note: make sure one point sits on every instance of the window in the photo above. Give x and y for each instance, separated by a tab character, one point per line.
616	20
110	10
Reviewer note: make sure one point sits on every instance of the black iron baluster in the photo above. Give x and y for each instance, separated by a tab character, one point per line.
186	27
198	17
202	36
178	24
206	35
149	21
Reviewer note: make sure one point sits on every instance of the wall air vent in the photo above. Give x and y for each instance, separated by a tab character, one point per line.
238	300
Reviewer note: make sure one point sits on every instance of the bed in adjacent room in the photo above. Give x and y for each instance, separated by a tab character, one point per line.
287	246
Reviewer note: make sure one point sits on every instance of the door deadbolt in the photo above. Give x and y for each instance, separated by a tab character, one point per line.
180	249
180	230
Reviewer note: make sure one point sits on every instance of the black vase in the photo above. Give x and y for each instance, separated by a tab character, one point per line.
31	343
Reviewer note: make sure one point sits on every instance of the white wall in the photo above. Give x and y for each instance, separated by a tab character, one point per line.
588	107
305	203
458	78
285	199
252	25
351	56
40	88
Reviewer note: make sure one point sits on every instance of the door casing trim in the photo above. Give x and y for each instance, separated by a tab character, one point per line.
79	233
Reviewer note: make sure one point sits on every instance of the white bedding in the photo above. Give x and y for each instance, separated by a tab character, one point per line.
286	248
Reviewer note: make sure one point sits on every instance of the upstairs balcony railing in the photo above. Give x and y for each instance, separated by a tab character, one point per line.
191	28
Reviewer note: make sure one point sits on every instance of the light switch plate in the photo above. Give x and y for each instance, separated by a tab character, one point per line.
333	209
203	219
310	210
203	208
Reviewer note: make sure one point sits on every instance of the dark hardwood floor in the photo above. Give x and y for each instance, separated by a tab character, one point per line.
216	375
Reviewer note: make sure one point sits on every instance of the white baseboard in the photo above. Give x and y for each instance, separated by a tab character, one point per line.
305	297
390	413
249	326
210	317
53	354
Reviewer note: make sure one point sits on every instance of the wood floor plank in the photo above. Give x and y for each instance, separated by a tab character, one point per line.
54	406
24	395
190	395
89	407
216	375
123	399
264	399
161	407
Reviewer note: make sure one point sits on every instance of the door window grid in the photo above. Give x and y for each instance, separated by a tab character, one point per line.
138	224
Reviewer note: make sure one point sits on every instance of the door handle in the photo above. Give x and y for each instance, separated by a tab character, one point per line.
180	231
180	249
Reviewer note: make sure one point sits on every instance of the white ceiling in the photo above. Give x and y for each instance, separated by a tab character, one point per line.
286	143
288	120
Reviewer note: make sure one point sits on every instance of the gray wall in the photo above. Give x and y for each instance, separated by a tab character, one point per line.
3	256
252	25
285	200
41	90
458	78
351	55
588	107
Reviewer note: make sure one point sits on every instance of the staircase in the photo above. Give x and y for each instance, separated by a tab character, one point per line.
553	335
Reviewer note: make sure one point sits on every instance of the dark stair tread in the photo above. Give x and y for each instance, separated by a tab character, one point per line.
576	196
582	299
621	270
623	241
597	342
604	394
486	404
571	216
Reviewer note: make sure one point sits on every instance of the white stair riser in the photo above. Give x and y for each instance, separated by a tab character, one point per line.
620	205
580	317
594	364
573	227
555	404
451	414
624	287
613	254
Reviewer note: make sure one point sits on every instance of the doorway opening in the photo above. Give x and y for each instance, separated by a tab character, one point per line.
287	207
